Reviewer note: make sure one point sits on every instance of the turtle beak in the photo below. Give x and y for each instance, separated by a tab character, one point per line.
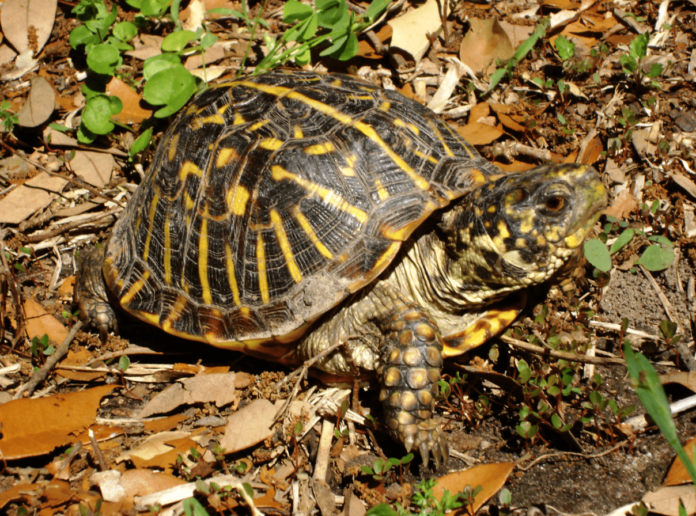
591	201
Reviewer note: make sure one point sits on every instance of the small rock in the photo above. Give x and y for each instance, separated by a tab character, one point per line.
685	120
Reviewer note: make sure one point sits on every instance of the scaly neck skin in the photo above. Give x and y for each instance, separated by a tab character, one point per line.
437	282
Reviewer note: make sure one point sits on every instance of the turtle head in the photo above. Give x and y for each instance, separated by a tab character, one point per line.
521	229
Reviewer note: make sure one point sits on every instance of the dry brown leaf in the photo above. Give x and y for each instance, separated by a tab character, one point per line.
39	104
167	460
213	388
479	111
485	43
491	477
68	286
17	16
94	167
24	201
33	427
81	357
365	48
570	158
18	493
410	31
132	112
39	323
7	55
146	46
164	424
592	152
561	4
667	500
57	138
249	426
614	171
153	446
517	33
510	123
683	181
600	23
477	133
685	378
677	474
120	487
624	204
515	166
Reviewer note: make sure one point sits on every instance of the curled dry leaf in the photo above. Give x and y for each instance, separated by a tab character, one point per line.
624	204
410	31
484	44
491	477
477	133
18	17
39	105
668	499
39	323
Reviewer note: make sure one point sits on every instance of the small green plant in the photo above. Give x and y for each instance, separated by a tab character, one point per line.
381	467
425	503
521	52
637	50
8	119
41	345
651	394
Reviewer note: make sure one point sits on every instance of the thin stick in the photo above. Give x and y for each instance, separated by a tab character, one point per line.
574	357
40	375
64	228
583	455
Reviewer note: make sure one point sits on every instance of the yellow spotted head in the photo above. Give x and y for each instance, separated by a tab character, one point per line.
522	228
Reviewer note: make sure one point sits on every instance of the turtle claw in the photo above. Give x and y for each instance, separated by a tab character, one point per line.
430	439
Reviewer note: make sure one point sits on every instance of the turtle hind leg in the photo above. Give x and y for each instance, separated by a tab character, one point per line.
409	371
90	292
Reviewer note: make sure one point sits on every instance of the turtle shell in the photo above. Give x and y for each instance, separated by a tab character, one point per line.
273	198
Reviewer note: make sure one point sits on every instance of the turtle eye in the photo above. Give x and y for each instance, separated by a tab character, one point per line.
555	203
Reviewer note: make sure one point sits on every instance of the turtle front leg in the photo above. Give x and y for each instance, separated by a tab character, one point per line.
90	292
409	371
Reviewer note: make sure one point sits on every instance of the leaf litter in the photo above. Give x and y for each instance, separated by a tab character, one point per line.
545	108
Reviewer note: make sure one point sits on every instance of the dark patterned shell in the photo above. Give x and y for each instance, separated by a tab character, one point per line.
273	198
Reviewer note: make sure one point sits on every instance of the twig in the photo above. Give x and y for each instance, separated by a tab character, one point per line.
324	452
574	357
583	455
11	283
40	375
64	228
97	452
302	372
640	422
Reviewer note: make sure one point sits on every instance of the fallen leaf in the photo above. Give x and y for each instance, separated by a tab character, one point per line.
25	200
39	323
57	138
517	33
410	31
685	378
252	424
592	152
78	358
132	112
479	111
477	133
39	105
7	55
324	497
165	423
667	500
515	166
485	43
17	16
614	172
561	4
68	286
153	446
624	204
683	181
24	63
491	477
34	427
213	388
94	167
510	123
146	46
168	460
677	474
119	487
18	493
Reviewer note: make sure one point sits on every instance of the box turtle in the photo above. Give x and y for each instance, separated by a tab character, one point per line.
290	211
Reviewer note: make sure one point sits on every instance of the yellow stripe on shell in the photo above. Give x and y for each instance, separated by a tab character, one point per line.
189	169
285	247
203	259
261	264
167	251
381	264
175	313
298	132
173	147
150	224
431	159
320	148
231	278
367	130
381	191
136	287
236	199
226	156
271	144
197	123
328	196
307	227
258	125
238	119
223	109
188	201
